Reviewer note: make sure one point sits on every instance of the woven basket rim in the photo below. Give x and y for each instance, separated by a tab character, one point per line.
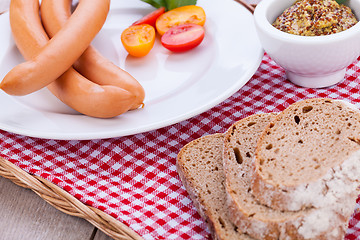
67	203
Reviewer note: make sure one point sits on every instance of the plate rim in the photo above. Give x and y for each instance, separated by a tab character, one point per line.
145	128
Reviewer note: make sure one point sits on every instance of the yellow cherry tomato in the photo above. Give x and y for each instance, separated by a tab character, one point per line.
179	16
138	40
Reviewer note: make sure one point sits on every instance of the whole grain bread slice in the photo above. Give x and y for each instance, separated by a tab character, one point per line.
305	157
199	165
259	221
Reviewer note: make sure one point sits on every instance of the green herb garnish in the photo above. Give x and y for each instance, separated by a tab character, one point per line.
156	3
340	1
171	4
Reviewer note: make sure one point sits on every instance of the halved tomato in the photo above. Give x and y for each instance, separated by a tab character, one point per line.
181	15
138	40
150	18
183	37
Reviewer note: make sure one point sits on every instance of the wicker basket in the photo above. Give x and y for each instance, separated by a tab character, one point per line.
67	203
59	198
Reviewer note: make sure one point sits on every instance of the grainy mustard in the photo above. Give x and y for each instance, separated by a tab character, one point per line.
315	18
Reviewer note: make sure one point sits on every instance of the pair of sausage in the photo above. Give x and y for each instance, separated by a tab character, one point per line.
94	92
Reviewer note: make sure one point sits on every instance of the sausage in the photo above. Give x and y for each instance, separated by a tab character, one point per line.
60	52
71	88
91	64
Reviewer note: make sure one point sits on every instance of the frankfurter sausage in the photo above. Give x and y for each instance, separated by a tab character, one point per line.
60	52
91	64
71	88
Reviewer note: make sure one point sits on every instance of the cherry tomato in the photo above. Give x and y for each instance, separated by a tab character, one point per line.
151	17
183	37
181	15
138	40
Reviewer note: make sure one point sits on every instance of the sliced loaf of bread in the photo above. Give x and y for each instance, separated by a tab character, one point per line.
199	165
259	221
232	211
308	156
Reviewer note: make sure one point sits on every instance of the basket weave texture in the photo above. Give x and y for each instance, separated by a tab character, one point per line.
66	203
128	187
133	179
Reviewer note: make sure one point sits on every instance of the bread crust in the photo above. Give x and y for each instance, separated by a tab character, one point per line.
224	197
326	222
223	230
334	180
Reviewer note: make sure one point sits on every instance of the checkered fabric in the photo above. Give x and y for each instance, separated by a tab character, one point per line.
134	178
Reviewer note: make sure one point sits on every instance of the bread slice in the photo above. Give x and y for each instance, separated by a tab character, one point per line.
259	221
199	165
308	156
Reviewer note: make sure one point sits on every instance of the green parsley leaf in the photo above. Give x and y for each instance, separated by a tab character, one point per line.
171	4
340	1
156	3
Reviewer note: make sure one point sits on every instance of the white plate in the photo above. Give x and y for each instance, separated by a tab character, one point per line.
177	86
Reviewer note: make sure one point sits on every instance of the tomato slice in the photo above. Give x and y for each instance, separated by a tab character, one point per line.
151	17
138	40
181	15
183	37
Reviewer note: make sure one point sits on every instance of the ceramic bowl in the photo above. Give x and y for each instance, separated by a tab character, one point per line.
309	61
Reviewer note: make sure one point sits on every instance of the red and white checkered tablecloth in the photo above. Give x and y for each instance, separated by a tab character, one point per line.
134	178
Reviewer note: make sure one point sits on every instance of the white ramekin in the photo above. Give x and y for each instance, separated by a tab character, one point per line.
309	61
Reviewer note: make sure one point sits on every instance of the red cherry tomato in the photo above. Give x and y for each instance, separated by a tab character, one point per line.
183	37
151	17
181	15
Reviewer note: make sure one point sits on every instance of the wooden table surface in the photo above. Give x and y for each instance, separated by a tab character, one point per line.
24	215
